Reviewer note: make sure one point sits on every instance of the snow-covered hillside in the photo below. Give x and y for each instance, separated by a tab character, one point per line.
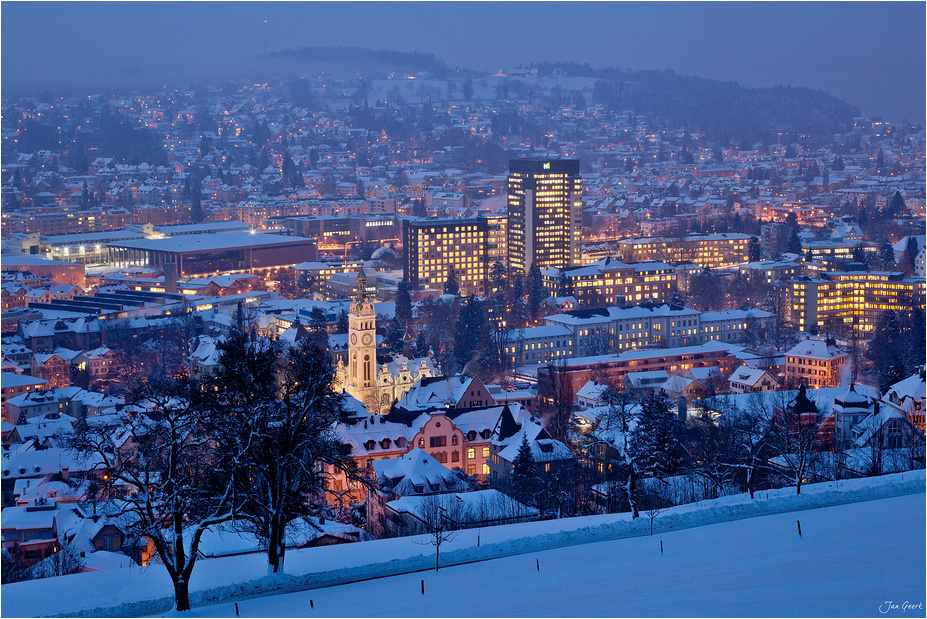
849	562
853	537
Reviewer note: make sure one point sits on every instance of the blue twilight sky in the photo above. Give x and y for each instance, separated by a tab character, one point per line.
870	53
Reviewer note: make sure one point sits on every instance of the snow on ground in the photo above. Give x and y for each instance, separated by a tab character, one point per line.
147	591
849	562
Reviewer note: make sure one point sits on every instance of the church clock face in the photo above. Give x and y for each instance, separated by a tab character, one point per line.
366	339
354	339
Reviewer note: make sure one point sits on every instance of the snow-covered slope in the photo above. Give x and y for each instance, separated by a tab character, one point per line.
849	562
144	591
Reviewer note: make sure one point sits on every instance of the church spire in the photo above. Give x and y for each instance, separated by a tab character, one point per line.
361	286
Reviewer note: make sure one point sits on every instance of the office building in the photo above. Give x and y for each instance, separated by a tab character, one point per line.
545	213
436	246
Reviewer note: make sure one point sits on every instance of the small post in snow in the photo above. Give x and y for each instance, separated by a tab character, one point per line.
311	605
538	563
236	609
423	587
799	527
661	546
477	538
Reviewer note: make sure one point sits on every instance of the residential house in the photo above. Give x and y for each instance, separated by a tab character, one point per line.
814	364
752	380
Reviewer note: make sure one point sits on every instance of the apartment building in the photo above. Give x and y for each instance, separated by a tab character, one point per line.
851	299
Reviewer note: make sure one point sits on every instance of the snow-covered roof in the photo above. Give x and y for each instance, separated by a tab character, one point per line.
592	390
438	391
415	472
815	349
747	376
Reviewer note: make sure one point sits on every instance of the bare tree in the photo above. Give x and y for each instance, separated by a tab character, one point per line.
178	478
620	412
655	500
65	562
793	435
440	516
560	407
750	431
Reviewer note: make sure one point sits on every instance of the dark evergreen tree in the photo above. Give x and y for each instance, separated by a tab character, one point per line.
518	290
421	345
656	440
896	207
886	256
472	335
196	206
467	88
753	249
403	304
318	328
859	254
793	243
911	250
524	474
343	322
394	336
290	172
536	291
886	349
450	285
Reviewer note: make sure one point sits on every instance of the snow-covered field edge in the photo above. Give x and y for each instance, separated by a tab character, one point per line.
414	554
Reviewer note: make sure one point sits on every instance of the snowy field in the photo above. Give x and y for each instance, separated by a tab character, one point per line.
850	561
148	591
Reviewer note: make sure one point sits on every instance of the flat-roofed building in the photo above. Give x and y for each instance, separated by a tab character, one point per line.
711	251
610	281
852	299
435	247
203	254
769	271
613	368
545	213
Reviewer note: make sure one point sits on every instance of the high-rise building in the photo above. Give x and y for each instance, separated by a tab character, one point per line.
545	213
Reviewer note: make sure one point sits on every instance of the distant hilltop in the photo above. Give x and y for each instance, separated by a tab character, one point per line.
726	110
414	62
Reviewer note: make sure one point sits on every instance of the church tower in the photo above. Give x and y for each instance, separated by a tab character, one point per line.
362	348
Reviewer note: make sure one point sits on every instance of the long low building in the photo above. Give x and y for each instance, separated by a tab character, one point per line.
203	254
565	377
712	251
610	280
852	299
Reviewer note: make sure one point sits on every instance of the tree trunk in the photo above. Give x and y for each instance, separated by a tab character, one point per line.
437	556
182	594
635	513
273	546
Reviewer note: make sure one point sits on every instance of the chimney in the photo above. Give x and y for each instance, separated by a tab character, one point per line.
170	277
65	473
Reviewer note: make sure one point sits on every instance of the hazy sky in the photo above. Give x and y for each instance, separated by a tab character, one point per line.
870	53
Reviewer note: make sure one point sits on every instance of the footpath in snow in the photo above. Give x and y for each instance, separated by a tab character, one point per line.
148	591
